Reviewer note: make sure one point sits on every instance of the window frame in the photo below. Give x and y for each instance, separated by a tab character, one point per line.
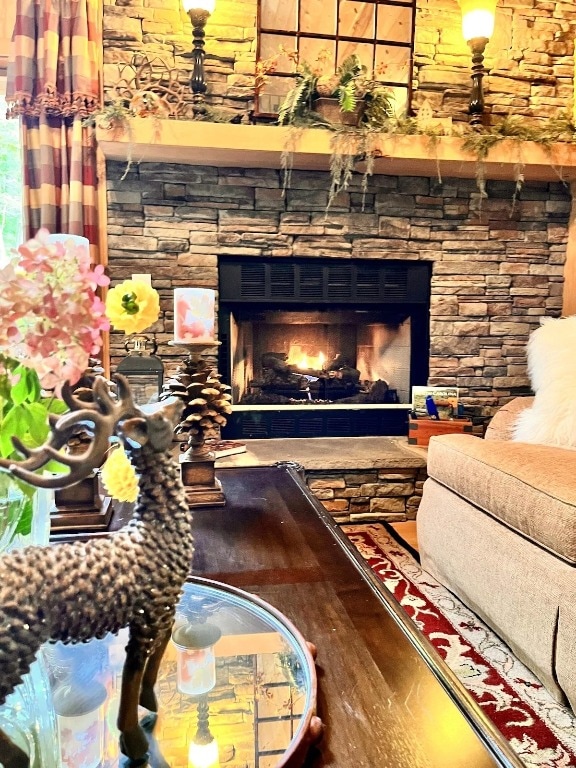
3	84
297	35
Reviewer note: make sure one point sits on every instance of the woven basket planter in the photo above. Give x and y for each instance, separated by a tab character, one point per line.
329	109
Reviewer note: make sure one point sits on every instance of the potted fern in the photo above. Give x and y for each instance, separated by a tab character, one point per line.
347	97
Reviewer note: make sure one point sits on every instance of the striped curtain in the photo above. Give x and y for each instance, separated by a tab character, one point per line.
53	86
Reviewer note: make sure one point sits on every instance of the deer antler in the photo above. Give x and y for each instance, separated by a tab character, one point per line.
99	417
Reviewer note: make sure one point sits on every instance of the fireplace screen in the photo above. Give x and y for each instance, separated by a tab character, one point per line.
300	357
322	347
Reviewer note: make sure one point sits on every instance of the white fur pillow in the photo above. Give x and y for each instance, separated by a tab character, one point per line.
552	369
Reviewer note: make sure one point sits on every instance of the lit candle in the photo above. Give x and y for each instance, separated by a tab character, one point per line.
194	315
143	279
203	755
195	660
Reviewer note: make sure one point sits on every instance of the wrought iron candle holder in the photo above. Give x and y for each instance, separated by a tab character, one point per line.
477	29
476	105
199	12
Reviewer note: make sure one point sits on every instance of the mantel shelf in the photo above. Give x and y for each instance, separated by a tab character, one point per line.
260	146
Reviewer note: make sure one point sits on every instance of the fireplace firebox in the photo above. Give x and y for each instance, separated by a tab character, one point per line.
322	347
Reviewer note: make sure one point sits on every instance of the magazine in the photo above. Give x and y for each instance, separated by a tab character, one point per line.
445	399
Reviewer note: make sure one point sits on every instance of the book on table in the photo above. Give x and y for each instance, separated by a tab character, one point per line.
221	448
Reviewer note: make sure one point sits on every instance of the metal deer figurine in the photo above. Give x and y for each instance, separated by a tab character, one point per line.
75	591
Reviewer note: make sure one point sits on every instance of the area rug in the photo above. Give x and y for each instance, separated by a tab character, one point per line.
540	731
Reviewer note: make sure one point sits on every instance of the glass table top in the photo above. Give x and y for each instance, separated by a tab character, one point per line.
237	685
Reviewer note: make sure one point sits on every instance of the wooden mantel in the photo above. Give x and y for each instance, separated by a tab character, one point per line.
261	146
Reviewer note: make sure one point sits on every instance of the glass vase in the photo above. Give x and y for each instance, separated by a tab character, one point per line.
42	504
12	502
27	716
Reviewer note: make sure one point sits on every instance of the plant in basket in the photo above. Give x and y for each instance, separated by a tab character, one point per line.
349	96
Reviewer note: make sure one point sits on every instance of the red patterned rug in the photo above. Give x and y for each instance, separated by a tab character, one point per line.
540	731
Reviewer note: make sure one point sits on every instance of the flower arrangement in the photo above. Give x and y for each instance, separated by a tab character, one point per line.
50	316
51	324
118	476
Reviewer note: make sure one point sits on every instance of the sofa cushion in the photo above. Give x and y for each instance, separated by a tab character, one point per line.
503	423
528	487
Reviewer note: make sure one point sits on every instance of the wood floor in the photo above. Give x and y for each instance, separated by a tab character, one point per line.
407	531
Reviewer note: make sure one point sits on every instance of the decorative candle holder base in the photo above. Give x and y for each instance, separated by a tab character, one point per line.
81	508
202	487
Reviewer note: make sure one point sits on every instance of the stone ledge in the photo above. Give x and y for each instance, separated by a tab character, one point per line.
331	453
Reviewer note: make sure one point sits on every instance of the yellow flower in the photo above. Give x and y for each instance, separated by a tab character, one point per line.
132	306
119	477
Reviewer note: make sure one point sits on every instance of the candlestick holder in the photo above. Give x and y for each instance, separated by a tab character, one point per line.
206	401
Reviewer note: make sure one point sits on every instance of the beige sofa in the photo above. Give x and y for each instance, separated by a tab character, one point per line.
497	526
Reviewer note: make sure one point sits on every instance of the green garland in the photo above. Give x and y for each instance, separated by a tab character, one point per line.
353	144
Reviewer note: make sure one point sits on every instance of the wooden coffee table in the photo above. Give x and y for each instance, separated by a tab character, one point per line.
385	697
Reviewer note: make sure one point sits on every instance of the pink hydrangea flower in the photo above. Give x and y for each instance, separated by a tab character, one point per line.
50	316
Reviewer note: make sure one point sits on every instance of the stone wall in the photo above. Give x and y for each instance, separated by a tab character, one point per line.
530	59
350	496
530	56
497	262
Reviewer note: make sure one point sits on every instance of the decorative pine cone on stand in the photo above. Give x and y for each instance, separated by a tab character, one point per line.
206	403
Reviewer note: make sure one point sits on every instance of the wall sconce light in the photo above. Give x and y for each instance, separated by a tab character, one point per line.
477	28
199	12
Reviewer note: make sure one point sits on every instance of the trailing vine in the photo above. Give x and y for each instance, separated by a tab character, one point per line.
351	145
558	129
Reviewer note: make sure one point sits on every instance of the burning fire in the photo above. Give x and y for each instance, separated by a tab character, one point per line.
305	362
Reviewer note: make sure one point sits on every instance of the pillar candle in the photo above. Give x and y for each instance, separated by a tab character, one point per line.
194	315
77	240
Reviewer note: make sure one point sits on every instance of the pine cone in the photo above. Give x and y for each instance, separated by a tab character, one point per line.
206	399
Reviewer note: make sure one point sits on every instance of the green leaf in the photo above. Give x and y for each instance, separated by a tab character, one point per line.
56	406
24	526
37	422
56	468
5	388
33	385
20	391
15	424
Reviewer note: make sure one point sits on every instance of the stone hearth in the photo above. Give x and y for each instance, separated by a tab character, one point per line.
365	478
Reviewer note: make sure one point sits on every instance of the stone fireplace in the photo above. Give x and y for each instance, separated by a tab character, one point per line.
322	347
495	263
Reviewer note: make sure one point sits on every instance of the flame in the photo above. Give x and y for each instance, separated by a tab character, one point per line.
304	361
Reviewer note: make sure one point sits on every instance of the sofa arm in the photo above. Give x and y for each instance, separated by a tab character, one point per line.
504	420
